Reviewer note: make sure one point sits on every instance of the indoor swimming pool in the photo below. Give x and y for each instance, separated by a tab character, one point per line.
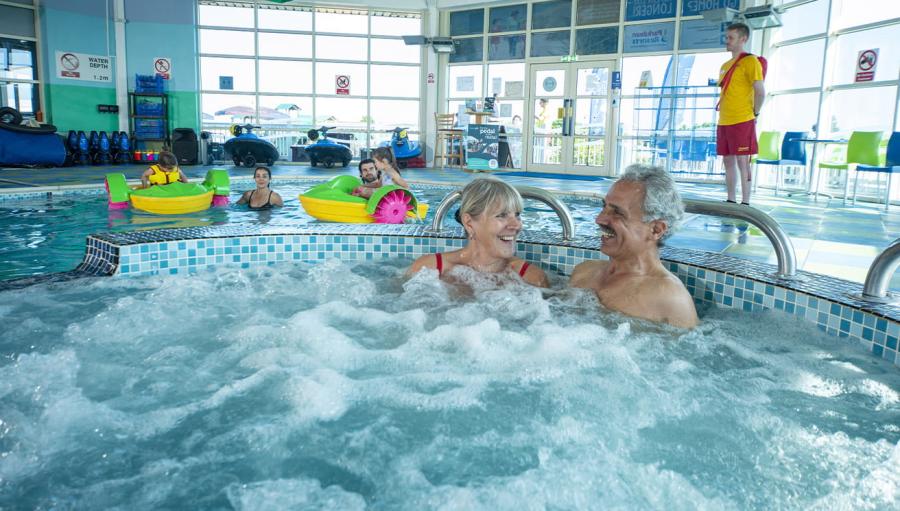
342	386
40	235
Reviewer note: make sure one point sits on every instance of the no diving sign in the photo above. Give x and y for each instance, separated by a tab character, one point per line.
865	65
342	85
162	66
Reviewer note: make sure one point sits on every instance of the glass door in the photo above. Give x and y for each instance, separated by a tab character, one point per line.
570	126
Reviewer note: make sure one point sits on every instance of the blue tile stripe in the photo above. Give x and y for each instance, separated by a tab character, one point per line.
717	279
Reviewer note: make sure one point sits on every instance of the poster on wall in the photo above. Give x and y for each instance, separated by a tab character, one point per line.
81	66
482	146
696	7
637	10
702	35
649	37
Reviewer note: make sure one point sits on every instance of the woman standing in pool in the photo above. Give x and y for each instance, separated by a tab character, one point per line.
387	164
262	197
490	213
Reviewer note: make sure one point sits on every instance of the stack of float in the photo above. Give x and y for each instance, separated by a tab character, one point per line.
333	202
171	199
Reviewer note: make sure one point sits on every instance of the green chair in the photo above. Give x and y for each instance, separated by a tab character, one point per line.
863	148
769	154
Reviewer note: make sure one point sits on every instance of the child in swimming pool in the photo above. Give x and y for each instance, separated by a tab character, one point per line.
164	172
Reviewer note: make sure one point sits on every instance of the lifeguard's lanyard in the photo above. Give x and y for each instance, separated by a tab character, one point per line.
726	80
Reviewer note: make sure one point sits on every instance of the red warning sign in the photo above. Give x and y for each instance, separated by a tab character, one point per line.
342	85
69	63
865	65
163	67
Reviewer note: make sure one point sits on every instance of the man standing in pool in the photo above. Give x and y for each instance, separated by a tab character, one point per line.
640	211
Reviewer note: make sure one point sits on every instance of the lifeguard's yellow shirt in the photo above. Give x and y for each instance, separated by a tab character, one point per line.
736	103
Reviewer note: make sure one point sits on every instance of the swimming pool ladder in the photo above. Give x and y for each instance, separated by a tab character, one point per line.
781	242
878	278
527	192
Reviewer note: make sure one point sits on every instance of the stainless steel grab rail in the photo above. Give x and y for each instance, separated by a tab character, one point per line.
878	278
781	242
527	192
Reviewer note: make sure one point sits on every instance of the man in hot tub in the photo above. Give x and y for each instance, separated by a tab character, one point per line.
641	210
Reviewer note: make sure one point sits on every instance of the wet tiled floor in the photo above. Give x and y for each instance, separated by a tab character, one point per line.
828	237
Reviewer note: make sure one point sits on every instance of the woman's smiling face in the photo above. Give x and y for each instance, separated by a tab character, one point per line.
496	230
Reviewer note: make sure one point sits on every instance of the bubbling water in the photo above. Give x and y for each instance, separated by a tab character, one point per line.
344	386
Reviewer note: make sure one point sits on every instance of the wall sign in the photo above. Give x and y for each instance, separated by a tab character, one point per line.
636	10
81	66
162	66
616	80
649	37
549	84
702	35
696	7
342	85
482	146
226	83
865	65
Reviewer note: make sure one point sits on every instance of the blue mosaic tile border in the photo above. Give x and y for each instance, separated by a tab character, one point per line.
712	279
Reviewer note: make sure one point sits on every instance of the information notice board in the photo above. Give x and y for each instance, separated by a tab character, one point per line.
482	146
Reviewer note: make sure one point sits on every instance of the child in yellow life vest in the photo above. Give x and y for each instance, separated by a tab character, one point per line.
164	172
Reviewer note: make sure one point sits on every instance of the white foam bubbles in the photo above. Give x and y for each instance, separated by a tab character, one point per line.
300	493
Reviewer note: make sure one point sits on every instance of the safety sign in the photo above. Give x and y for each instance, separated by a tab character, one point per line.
865	65
81	66
342	85
162	66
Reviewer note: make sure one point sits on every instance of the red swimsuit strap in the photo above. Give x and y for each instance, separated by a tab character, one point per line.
523	269
440	263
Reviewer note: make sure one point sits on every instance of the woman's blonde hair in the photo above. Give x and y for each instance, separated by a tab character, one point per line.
487	192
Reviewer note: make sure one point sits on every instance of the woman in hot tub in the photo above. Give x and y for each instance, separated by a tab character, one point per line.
490	212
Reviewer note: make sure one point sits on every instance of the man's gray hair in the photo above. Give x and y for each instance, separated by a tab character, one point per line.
661	198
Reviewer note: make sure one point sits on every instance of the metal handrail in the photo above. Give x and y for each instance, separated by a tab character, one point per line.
879	276
781	242
527	192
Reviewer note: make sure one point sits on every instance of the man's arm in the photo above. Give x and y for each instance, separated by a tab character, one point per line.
759	96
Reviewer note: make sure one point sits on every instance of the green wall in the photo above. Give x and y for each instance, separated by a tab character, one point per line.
74	107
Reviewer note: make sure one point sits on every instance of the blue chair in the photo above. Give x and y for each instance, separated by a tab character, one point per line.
891	167
793	153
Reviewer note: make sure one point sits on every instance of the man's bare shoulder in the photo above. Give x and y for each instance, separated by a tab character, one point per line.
671	300
584	273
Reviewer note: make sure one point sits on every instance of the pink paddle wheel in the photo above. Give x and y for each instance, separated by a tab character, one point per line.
392	208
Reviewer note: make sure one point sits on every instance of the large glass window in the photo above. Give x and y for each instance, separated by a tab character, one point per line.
847	49
467	22
266	65
509	18
801	21
866	109
796	66
851	13
593	12
554	14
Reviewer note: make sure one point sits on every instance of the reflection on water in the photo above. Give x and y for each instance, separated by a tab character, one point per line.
342	386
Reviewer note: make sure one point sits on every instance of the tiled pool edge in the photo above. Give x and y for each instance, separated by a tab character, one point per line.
715	279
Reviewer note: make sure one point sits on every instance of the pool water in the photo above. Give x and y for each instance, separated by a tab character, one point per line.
47	235
342	386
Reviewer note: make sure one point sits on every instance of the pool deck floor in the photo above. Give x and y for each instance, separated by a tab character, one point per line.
829	238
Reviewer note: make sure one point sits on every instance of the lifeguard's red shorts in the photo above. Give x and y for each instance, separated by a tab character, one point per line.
736	139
